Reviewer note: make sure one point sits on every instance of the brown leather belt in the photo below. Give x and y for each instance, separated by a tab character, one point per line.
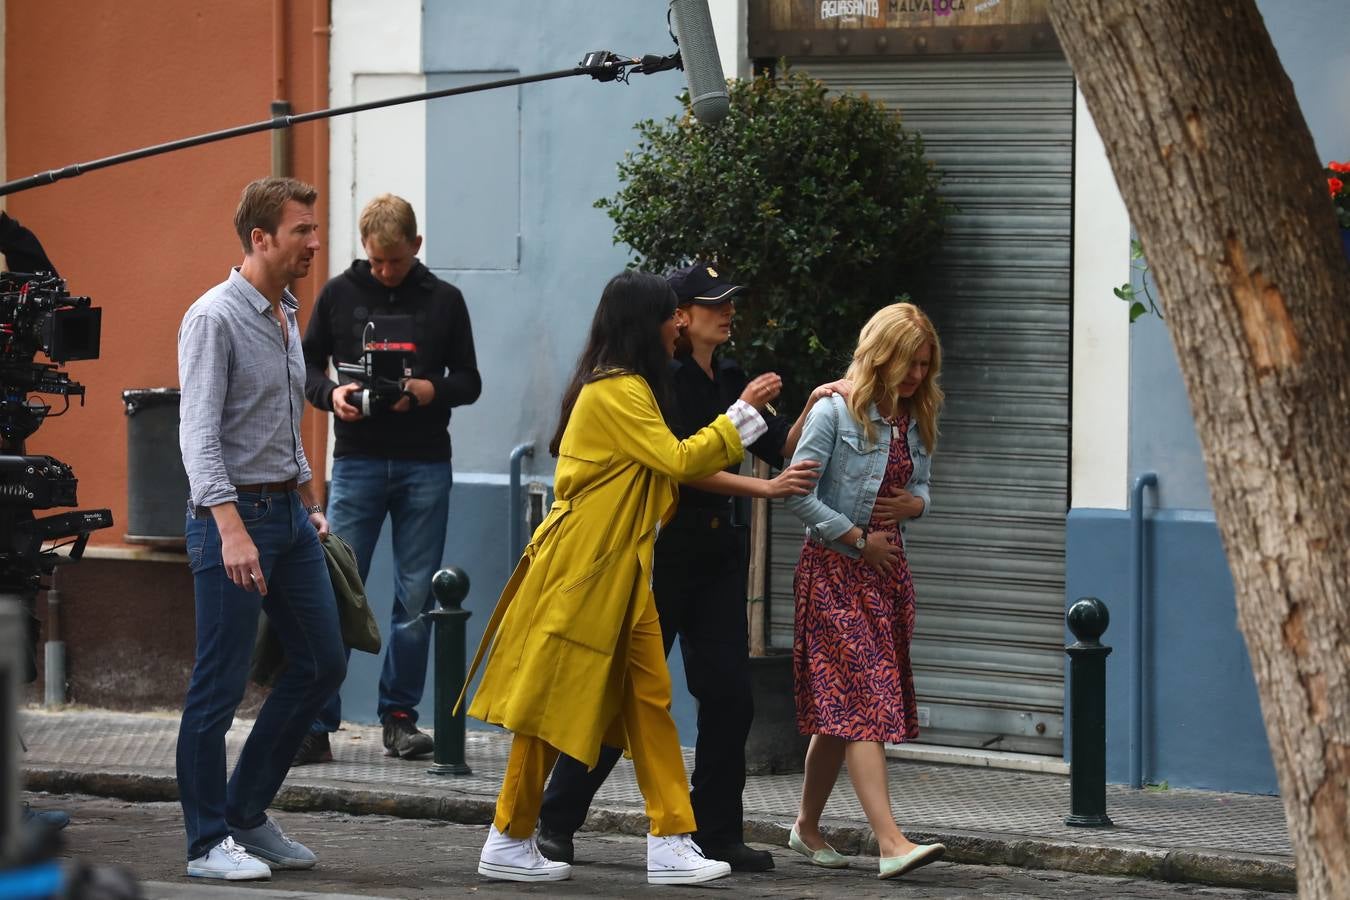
273	487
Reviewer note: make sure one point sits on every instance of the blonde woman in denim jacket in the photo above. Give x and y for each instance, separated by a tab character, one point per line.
854	595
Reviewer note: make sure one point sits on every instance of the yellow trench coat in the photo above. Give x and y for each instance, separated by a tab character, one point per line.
557	643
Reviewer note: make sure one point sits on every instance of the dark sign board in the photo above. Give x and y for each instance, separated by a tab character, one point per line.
857	28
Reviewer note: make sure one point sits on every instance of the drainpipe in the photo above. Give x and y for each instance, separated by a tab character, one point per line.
517	512
317	424
1137	737
281	137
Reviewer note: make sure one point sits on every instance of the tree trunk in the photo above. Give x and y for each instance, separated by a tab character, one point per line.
1223	184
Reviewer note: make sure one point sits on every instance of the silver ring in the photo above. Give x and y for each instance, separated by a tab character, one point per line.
252	576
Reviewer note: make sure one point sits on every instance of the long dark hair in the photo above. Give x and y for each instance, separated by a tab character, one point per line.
625	338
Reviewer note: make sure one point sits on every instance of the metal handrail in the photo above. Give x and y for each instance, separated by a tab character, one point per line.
514	524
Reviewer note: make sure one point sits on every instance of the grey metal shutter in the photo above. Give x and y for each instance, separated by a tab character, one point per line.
988	562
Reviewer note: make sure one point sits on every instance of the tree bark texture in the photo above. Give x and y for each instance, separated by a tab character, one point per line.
1223	184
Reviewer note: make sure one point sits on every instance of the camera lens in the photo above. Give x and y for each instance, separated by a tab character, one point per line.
361	400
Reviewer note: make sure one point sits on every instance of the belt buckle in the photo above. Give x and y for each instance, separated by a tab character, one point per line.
715	522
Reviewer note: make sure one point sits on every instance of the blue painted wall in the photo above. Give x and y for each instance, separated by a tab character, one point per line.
554	150
1202	721
1309	36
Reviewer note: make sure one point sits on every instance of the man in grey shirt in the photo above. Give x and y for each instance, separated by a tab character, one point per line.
253	532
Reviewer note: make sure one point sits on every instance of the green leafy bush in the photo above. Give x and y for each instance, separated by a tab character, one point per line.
824	206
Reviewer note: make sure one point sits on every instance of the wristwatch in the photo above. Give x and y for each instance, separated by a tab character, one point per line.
861	542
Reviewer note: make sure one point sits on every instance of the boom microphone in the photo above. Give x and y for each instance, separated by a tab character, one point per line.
702	65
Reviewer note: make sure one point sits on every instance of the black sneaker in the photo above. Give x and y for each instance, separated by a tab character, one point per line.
313	749
555	845
401	737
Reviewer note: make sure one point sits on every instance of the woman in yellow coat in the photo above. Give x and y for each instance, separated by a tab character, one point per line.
573	650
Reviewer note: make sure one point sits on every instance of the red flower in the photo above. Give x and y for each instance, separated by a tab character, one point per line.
1338	166
1335	184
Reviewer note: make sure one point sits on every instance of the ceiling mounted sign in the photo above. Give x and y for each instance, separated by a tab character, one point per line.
859	28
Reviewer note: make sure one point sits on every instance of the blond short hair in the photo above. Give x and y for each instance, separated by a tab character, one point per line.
887	345
261	203
387	220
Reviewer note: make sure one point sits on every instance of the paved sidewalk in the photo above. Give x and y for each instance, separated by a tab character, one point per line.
983	815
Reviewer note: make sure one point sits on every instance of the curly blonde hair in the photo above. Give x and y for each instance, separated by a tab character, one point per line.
886	346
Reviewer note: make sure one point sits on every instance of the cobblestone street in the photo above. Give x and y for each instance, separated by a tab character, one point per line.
380	856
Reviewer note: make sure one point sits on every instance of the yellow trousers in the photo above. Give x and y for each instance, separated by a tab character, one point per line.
653	742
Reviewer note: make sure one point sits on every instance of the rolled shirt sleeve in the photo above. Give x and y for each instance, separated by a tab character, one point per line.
750	425
203	372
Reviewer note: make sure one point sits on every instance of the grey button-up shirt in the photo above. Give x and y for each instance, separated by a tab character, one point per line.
243	392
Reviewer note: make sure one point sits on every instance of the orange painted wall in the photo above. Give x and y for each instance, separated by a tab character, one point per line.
87	79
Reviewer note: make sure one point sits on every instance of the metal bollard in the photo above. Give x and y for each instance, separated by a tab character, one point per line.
451	586
1087	620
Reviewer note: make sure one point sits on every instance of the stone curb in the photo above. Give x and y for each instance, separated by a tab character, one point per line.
1225	869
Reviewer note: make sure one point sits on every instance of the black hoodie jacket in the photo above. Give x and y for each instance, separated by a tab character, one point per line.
445	357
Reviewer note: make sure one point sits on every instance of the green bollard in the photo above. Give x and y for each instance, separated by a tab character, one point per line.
1087	620
451	586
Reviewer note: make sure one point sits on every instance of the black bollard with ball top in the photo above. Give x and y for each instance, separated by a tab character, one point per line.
450	586
1087	620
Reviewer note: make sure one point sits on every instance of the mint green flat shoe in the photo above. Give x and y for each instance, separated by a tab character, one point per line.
921	855
828	858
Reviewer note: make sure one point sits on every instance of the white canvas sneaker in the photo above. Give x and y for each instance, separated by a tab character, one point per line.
676	859
229	861
508	859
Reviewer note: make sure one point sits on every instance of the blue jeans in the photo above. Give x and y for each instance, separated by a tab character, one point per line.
303	613
415	495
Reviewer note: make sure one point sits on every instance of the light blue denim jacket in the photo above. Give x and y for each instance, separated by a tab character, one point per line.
850	470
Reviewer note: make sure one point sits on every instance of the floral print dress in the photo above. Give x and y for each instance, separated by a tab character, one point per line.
852	674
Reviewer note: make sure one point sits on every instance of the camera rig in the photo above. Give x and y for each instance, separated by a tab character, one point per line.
38	315
381	371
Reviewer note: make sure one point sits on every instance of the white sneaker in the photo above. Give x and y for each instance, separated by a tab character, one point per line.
508	859
676	859
229	861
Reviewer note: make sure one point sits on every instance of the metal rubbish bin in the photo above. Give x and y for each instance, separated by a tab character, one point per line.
157	485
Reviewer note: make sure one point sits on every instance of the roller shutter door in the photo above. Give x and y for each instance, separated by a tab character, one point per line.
988	562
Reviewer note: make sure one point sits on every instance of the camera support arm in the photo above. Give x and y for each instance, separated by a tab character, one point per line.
601	65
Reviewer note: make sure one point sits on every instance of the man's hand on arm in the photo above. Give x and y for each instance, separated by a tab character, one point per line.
238	553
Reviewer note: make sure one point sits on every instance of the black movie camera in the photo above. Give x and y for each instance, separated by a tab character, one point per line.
38	316
384	366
